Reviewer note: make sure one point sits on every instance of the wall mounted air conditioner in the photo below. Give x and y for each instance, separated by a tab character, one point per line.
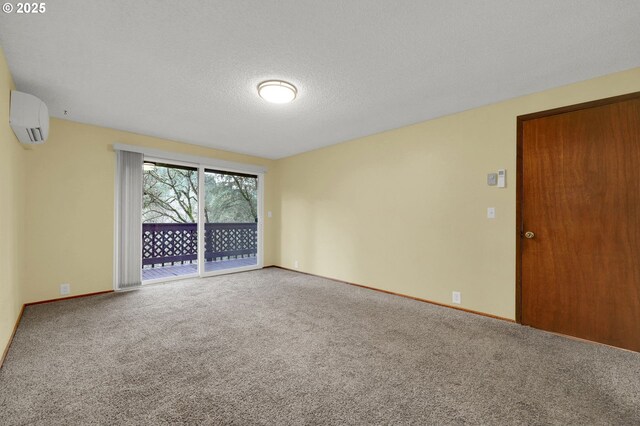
29	118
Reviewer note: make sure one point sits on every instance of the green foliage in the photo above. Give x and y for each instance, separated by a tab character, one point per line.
171	196
230	198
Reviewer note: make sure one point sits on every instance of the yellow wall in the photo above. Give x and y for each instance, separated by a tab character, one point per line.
405	210
70	206
12	205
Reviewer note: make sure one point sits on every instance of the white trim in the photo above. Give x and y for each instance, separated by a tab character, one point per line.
231	271
196	275
202	202
169	279
170	162
261	183
160	281
193	159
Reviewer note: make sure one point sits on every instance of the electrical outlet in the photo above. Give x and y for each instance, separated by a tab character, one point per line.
295	264
491	212
456	298
269	214
65	289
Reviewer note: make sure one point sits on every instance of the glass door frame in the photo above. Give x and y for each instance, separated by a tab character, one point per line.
201	225
201	273
168	162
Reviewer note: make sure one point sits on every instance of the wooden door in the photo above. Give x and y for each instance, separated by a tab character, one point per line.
580	196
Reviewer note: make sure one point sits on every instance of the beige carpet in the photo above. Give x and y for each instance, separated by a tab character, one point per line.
276	347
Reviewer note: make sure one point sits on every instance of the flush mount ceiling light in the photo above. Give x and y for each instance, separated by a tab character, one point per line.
277	92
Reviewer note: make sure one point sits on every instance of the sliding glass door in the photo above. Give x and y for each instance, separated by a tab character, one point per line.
169	221
230	220
198	221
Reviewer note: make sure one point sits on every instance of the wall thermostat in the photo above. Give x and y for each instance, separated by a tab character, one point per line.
502	178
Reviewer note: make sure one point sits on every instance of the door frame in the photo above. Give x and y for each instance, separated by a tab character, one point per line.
520	175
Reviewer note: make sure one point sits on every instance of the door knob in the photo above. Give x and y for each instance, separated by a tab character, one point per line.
529	234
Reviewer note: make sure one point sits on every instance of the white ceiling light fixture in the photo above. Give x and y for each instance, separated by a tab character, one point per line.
148	166
277	91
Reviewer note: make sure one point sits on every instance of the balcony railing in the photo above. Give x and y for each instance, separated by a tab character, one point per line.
171	243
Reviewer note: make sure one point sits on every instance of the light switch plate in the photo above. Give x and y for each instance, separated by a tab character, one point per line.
492	179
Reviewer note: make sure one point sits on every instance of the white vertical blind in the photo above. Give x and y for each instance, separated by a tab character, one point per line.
129	219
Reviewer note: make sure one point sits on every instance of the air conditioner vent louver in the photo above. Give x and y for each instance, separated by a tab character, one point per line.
29	118
35	134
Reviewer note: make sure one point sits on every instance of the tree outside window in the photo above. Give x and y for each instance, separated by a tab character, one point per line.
171	196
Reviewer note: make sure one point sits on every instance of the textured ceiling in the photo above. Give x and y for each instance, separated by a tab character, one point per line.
188	70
